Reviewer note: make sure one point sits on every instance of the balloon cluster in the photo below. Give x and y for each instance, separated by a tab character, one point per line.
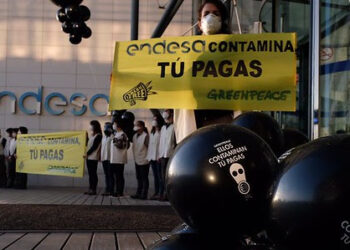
227	185
73	16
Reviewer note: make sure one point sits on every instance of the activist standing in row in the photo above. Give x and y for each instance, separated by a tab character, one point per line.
153	153
93	155
3	175
213	19
12	159
140	147
106	156
7	152
167	146
119	157
21	178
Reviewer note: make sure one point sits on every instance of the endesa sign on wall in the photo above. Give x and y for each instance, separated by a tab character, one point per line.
54	103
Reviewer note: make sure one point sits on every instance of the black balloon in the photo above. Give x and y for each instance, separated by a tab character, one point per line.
293	138
64	3
117	115
183	229
310	207
67	27
84	12
128	118
78	28
74	38
86	32
73	13
61	15
265	126
219	179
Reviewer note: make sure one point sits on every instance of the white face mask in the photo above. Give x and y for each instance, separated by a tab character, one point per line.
165	115
114	127
154	123
136	128
91	130
211	24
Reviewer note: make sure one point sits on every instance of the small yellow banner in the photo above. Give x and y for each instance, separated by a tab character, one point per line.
233	72
52	153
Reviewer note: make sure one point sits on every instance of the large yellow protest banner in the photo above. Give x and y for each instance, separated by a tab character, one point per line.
233	72
52	153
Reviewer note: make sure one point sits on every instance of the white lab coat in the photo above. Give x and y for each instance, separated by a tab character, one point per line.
167	141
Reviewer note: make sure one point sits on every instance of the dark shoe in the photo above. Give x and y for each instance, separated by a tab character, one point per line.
88	192
135	196
143	197
163	198
155	197
106	194
92	193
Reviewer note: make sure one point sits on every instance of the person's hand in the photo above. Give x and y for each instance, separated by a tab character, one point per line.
85	156
15	156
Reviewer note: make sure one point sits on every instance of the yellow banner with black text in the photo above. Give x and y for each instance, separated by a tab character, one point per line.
232	72
52	153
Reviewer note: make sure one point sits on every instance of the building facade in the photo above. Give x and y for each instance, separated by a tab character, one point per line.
49	85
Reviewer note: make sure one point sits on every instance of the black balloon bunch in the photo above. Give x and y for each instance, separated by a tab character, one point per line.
73	16
227	185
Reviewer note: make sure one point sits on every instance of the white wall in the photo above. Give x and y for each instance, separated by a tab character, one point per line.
35	52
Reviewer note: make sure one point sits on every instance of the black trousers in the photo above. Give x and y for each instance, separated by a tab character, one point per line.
11	172
92	170
21	180
163	168
142	179
106	171
155	165
3	174
117	178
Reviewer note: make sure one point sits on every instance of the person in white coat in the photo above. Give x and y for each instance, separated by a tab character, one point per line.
12	159
119	157
3	175
153	154
93	155
140	143
167	144
106	156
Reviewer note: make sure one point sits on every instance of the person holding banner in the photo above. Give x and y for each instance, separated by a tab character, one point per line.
12	159
21	178
213	19
153	152
3	176
140	147
106	155
167	146
93	155
119	157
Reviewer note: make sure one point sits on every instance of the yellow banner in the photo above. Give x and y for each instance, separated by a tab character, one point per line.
233	72
52	153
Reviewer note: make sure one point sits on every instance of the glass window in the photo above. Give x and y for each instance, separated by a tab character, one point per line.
334	101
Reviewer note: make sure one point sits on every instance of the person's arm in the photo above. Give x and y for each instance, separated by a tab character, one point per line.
95	145
3	142
146	141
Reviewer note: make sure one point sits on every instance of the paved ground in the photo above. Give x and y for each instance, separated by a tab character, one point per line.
73	240
78	241
67	196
